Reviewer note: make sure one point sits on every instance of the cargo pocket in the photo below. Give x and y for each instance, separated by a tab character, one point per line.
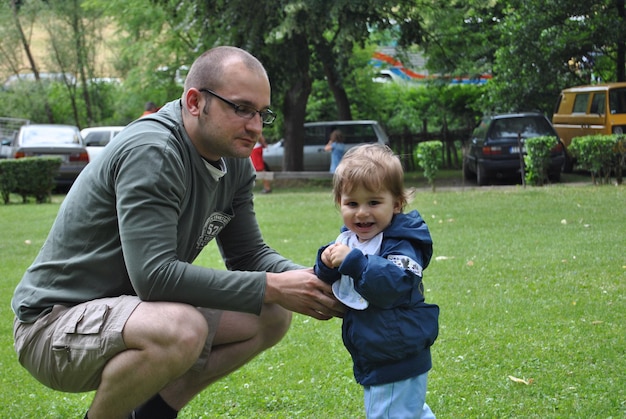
77	348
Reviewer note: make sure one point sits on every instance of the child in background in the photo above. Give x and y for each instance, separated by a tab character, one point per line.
259	165
336	147
375	268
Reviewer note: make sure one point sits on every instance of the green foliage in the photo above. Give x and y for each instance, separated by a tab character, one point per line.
599	154
28	100
516	300
619	163
8	179
428	157
537	159
325	45
30	176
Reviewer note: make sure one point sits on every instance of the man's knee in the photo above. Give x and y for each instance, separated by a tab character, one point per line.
275	323
176	330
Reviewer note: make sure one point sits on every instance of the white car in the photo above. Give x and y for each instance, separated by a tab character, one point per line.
316	135
97	137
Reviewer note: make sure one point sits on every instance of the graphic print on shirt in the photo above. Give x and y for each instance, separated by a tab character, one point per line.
406	263
212	226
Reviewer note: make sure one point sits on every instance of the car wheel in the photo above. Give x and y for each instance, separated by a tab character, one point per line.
481	175
568	165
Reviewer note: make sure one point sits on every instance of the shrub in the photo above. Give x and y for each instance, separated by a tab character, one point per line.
598	154
620	157
537	159
428	154
30	176
7	179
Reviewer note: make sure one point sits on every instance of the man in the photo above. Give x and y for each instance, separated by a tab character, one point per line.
149	108
110	303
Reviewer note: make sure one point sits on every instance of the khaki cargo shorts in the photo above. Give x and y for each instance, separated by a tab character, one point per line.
68	348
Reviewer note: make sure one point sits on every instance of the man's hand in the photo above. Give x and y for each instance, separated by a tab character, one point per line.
303	292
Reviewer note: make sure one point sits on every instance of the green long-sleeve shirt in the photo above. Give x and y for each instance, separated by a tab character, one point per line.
137	217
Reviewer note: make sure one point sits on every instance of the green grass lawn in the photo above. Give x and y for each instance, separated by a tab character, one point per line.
532	288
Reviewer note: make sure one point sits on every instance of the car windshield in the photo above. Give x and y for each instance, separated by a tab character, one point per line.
49	135
524	126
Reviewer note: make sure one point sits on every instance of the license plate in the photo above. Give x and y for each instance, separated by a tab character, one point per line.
515	150
63	157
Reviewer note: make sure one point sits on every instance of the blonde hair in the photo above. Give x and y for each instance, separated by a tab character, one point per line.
373	166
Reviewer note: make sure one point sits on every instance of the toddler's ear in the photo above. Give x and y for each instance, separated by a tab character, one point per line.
397	207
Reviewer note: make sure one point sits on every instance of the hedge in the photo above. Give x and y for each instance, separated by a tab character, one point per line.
601	155
29	176
427	154
537	159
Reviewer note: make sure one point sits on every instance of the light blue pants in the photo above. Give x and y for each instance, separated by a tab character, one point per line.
398	400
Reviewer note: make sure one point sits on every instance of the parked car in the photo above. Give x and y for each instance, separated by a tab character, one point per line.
495	146
316	135
97	137
589	110
64	141
5	148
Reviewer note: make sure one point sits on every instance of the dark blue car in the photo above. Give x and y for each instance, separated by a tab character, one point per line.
495	146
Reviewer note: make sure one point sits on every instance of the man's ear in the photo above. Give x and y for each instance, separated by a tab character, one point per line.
192	99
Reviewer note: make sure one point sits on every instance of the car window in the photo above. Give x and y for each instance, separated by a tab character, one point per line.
481	130
617	101
97	138
356	134
580	103
352	133
50	135
598	104
315	135
526	126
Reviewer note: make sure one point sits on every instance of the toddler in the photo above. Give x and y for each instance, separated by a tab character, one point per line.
375	267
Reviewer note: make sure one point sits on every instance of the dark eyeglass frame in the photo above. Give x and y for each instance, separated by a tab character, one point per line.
245	111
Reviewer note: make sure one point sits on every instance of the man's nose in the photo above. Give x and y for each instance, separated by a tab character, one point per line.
255	123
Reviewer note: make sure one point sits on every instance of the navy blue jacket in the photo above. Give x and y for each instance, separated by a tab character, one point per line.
390	340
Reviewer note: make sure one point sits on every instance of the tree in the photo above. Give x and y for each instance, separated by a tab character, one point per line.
298	42
303	41
533	48
14	34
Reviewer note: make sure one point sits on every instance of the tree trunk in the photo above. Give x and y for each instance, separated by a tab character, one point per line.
31	60
330	66
294	104
621	44
339	93
294	109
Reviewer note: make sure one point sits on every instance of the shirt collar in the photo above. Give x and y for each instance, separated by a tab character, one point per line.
216	173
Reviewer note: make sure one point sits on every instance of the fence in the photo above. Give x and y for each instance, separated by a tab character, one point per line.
8	130
405	145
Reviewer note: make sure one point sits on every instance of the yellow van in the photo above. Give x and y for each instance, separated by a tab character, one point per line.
588	110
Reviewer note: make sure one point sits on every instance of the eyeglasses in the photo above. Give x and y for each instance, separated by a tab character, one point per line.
245	111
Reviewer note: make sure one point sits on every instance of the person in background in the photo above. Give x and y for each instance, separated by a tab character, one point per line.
259	164
375	267
336	147
113	303
149	108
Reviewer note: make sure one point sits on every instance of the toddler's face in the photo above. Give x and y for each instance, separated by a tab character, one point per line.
367	213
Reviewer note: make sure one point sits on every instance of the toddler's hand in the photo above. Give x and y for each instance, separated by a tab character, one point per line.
334	254
326	257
